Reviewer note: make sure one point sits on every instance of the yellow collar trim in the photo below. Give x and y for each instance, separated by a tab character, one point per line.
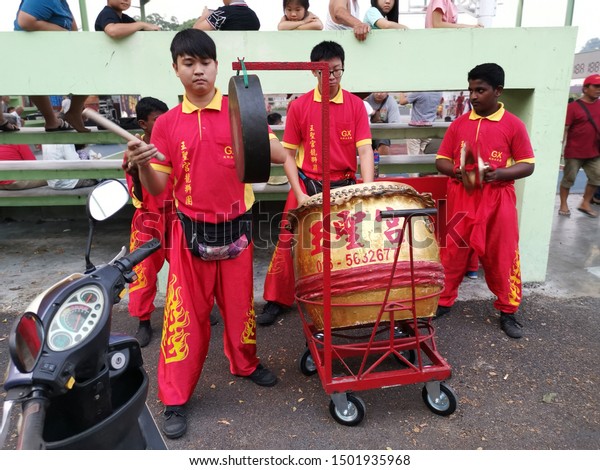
492	117
188	107
338	99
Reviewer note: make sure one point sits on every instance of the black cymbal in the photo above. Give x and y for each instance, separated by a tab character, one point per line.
249	129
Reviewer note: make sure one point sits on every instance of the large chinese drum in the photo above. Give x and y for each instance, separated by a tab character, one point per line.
363	246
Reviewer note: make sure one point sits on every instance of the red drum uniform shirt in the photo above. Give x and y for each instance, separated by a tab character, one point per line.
349	129
501	139
486	219
198	154
206	188
16	152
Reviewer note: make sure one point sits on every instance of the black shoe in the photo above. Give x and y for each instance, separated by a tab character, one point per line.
269	314
441	311
263	376
144	333
510	325
596	200
175	423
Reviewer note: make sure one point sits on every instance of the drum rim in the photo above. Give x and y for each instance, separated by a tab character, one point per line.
345	194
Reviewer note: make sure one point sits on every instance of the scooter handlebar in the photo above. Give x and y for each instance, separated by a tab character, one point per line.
127	263
34	417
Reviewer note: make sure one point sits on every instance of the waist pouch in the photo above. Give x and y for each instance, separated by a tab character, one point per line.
215	242
316	186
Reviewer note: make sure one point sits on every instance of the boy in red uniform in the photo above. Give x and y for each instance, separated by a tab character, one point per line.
152	218
349	132
486	217
211	255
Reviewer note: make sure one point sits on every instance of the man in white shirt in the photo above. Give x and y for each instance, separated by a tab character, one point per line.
64	152
344	14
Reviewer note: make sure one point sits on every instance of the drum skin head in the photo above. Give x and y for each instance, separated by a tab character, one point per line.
249	130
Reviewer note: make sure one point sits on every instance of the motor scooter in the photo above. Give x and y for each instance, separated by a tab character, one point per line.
78	386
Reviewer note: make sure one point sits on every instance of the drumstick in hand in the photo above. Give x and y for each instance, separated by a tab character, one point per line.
114	128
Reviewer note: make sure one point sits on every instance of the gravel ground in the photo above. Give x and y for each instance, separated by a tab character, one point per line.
540	392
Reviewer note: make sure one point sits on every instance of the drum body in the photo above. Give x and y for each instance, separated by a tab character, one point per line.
363	247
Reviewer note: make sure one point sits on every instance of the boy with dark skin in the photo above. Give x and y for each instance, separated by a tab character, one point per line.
485	217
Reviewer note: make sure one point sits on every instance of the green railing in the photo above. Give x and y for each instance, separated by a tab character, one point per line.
538	64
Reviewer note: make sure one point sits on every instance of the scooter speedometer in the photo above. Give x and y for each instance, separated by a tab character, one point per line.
76	318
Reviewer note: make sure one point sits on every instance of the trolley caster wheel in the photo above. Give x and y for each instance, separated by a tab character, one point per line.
410	355
307	364
444	404
351	414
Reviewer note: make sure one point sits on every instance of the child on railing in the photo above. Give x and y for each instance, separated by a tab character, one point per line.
117	24
232	16
383	14
297	17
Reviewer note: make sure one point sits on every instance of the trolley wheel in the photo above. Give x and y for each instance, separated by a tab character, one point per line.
445	404
410	355
307	363
352	415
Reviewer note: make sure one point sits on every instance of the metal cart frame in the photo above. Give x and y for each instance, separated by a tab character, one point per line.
414	335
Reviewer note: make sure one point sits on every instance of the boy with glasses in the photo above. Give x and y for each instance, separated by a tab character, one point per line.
349	132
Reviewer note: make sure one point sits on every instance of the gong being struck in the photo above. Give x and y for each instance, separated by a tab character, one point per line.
249	129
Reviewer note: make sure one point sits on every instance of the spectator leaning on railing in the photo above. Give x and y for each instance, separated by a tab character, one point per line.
51	15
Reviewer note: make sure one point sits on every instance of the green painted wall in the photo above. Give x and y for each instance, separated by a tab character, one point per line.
537	61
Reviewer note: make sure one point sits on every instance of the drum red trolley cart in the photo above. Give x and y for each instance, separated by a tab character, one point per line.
395	345
379	332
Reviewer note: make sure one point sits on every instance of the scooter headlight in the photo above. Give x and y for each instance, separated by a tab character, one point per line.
76	318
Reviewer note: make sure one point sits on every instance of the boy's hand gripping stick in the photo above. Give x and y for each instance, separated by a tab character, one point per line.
114	128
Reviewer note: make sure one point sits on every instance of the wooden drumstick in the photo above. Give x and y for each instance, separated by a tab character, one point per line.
92	115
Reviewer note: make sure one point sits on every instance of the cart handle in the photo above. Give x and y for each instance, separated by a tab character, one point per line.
407	213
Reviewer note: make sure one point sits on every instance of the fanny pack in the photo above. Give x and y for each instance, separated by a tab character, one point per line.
316	186
215	242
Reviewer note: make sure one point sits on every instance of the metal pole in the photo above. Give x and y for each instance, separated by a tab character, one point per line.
569	15
143	9
84	16
519	13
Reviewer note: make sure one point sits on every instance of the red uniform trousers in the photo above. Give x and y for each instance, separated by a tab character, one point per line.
486	220
146	225
279	281
473	264
194	285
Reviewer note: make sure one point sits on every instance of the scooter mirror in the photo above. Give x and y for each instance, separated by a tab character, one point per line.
107	199
25	342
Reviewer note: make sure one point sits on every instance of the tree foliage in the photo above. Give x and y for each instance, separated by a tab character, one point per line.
591	45
187	24
165	25
171	24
